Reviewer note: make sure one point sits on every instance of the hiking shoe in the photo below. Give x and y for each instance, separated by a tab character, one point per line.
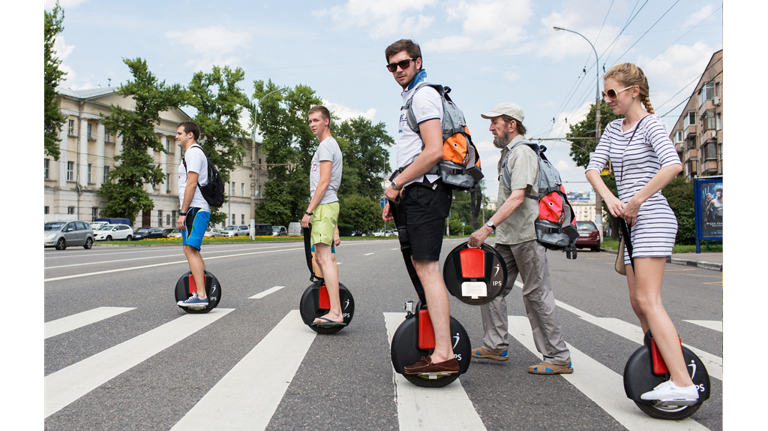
547	368
194	302
425	365
668	391
496	355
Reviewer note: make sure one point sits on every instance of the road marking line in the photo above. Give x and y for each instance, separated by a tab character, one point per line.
69	384
164	264
635	333
393	249
601	384
75	321
430	408
715	325
368	254
266	292
249	394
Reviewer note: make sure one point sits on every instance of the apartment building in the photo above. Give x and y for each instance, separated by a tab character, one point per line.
88	150
698	133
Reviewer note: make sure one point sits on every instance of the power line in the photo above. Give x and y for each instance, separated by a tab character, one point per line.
649	29
684	34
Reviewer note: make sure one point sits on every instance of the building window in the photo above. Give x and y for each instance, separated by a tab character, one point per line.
168	146
106	134
708	120
233	219
719	121
47	210
710	150
678	136
167	183
689	120
71	128
233	189
90	173
717	89
70	171
94	213
173	215
168	219
106	174
159	218
70	210
706	93
47	167
90	138
242	189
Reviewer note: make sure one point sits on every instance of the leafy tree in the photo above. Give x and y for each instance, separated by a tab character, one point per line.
365	156
679	194
290	145
125	188
219	102
362	212
582	148
54	119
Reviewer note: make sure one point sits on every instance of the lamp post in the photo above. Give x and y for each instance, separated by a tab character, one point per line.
598	199
254	154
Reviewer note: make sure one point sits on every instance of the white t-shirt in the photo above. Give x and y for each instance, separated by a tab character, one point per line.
328	150
196	162
427	105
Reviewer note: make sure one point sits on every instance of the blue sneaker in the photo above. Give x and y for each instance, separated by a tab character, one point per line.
194	302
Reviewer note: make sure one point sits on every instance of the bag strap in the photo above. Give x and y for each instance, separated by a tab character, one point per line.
637	126
626	231
208	164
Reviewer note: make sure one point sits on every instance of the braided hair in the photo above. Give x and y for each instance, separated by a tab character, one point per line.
628	74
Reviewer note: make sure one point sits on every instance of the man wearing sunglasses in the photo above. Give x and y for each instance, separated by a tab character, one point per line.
424	200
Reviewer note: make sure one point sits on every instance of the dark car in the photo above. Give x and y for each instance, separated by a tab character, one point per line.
149	232
589	236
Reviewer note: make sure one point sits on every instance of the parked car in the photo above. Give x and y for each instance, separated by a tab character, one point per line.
61	234
589	236
378	233
97	225
263	229
212	232
175	233
113	232
279	231
149	232
391	233
237	230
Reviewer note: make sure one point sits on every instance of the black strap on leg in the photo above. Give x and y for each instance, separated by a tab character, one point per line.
405	247
626	233
307	231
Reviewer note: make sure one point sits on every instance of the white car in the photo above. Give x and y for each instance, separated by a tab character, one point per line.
112	232
237	230
176	233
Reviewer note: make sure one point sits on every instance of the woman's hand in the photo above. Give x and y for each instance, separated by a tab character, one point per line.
629	214
615	206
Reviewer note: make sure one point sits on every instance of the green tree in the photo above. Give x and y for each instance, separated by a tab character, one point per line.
290	145
219	102
125	189
365	156
54	119
582	137
363	213
679	194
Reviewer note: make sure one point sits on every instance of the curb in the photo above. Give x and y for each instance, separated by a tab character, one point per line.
697	263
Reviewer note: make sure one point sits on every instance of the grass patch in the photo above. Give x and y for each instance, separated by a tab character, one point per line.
714	247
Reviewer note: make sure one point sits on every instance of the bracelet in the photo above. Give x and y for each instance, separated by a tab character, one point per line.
308	213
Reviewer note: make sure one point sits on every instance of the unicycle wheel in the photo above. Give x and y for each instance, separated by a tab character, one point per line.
314	304
212	291
669	412
428	381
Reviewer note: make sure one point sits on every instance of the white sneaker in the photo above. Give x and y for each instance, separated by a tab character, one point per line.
668	391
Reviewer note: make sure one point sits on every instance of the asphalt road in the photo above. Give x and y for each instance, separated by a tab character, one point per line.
137	361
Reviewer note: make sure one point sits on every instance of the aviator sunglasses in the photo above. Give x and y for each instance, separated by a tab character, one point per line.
613	93
403	64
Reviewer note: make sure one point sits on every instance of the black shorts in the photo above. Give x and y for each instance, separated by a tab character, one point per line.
425	212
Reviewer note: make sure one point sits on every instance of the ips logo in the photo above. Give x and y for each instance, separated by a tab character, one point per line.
346	304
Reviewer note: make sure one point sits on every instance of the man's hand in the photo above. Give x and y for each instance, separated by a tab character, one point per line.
386	215
180	222
478	237
305	220
392	194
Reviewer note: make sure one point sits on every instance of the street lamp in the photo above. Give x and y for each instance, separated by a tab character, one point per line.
254	153
598	199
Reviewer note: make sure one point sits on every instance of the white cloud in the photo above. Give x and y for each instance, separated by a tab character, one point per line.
385	19
346	113
512	76
698	16
678	65
585	17
486	24
210	44
71	80
65	4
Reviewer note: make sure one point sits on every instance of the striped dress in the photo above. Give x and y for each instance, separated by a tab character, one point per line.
634	164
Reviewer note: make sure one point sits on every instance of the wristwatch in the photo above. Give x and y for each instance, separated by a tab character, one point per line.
395	186
491	225
308	213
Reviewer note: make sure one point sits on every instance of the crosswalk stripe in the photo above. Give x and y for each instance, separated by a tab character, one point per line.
715	325
75	321
635	333
421	408
248	395
601	384
266	292
67	385
367	254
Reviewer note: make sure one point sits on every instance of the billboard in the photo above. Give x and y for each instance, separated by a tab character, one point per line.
709	209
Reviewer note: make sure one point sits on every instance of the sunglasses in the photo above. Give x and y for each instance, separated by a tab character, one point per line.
403	64
613	93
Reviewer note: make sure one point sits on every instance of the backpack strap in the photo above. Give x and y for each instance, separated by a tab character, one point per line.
506	177
207	162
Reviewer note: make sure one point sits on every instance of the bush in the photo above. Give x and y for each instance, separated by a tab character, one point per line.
345	229
679	194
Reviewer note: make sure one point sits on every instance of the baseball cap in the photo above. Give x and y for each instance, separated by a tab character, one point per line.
506	108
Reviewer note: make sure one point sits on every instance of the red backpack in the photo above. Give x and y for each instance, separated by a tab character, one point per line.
556	223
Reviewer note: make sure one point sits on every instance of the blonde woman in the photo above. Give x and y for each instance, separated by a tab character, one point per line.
644	161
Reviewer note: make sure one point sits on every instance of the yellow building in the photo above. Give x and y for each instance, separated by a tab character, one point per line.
88	151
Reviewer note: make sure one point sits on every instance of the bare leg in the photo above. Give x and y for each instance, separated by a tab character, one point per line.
645	296
331	276
438	305
197	266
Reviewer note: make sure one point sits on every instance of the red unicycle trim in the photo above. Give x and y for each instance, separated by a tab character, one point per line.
193	286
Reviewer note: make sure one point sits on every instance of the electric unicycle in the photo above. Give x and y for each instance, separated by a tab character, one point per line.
415	337
315	302
186	286
475	276
646	369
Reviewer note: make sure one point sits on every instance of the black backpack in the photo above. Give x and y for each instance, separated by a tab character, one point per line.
213	192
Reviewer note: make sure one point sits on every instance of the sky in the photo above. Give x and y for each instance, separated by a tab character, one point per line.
487	51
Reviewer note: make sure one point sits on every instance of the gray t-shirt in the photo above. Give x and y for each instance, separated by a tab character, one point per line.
328	150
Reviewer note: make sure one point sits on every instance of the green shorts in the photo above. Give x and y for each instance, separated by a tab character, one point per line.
324	220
